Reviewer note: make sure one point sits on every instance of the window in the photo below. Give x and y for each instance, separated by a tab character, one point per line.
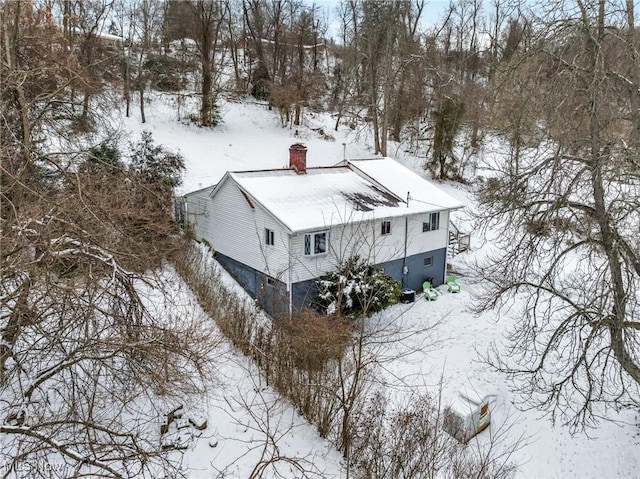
269	237
428	261
431	222
315	243
386	227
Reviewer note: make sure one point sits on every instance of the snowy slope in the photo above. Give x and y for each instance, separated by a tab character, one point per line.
247	422
251	138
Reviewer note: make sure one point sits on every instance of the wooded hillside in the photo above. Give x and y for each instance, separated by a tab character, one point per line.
87	214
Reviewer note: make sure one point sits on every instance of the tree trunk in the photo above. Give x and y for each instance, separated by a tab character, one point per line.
298	113
127	83
599	155
20	316
84	117
22	99
207	82
233	48
141	93
634	87
384	134
376	130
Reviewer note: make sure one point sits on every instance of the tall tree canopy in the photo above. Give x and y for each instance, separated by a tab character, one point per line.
568	218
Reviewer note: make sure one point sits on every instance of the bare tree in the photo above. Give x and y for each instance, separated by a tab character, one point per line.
234	18
632	79
87	361
567	223
284	37
88	25
208	22
271	419
380	76
447	121
380	30
145	20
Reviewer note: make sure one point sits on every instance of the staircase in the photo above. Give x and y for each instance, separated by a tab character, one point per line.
459	242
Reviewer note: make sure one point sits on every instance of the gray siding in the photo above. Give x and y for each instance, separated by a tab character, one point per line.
417	273
270	293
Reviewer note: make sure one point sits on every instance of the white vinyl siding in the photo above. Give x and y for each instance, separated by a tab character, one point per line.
420	241
198	212
306	267
366	240
238	231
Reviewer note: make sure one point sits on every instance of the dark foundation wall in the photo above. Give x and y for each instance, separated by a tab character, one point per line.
242	273
303	293
417	273
270	293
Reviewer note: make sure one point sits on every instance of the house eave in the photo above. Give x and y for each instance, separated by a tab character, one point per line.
311	229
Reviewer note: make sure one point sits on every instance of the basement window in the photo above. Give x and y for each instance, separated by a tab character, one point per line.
269	237
386	228
428	261
316	243
431	222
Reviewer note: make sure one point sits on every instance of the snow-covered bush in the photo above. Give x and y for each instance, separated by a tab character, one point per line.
356	288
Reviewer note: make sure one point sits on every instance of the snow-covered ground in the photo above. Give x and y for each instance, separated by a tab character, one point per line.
251	138
248	424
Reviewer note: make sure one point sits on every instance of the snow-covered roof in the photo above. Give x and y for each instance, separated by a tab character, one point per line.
109	36
206	191
402	181
357	191
101	35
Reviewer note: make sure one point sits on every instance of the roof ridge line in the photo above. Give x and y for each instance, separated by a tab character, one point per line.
267	170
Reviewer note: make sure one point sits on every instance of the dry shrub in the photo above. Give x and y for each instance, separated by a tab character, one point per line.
313	339
297	355
284	98
234	317
304	352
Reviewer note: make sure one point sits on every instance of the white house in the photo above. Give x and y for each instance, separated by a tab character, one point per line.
276	231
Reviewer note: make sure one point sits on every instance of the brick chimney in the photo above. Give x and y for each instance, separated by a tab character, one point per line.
298	158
